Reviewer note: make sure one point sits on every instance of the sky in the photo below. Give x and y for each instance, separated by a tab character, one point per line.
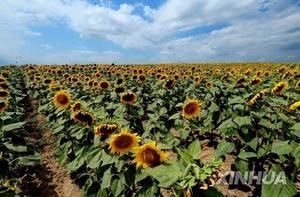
148	31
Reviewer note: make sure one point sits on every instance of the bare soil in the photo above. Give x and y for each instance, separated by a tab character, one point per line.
46	179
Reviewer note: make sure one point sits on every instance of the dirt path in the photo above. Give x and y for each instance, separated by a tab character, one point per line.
46	179
59	182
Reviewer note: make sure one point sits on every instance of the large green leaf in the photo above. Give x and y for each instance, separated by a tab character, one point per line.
281	189
243	121
281	147
13	126
194	149
117	187
166	174
15	148
296	129
106	179
224	148
29	160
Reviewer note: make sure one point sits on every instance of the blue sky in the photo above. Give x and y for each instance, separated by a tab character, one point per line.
148	31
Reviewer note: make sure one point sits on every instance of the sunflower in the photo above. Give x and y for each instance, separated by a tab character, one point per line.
256	81
142	77
4	94
62	99
119	90
3	106
128	98
47	81
280	87
105	129
197	79
123	142
2	79
298	85
209	85
54	86
76	106
294	106
83	118
119	81
4	86
104	85
256	98
191	109
240	81
169	84
148	155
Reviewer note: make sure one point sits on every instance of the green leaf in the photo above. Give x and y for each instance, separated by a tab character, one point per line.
4	118
148	191
236	100
166	174
174	116
224	148
194	149
15	148
117	187
227	124
94	159
101	193
243	121
13	126
266	123
296	129
184	154
278	190
29	160
213	107
246	155
106	179
281	147
241	165
76	164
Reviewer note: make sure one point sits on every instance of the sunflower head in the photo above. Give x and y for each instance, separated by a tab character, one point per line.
104	85
240	81
47	81
148	155
123	142
105	129
83	118
119	81
4	94
119	90
298	85
142	77
62	99
191	109
4	86
3	106
76	106
280	87
197	79
169	84
294	106
209	85
128	98
2	79
256	81
257	97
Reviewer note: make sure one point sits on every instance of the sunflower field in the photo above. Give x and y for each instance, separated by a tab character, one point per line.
154	130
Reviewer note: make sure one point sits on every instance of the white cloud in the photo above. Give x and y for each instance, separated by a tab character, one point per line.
46	46
258	29
83	56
